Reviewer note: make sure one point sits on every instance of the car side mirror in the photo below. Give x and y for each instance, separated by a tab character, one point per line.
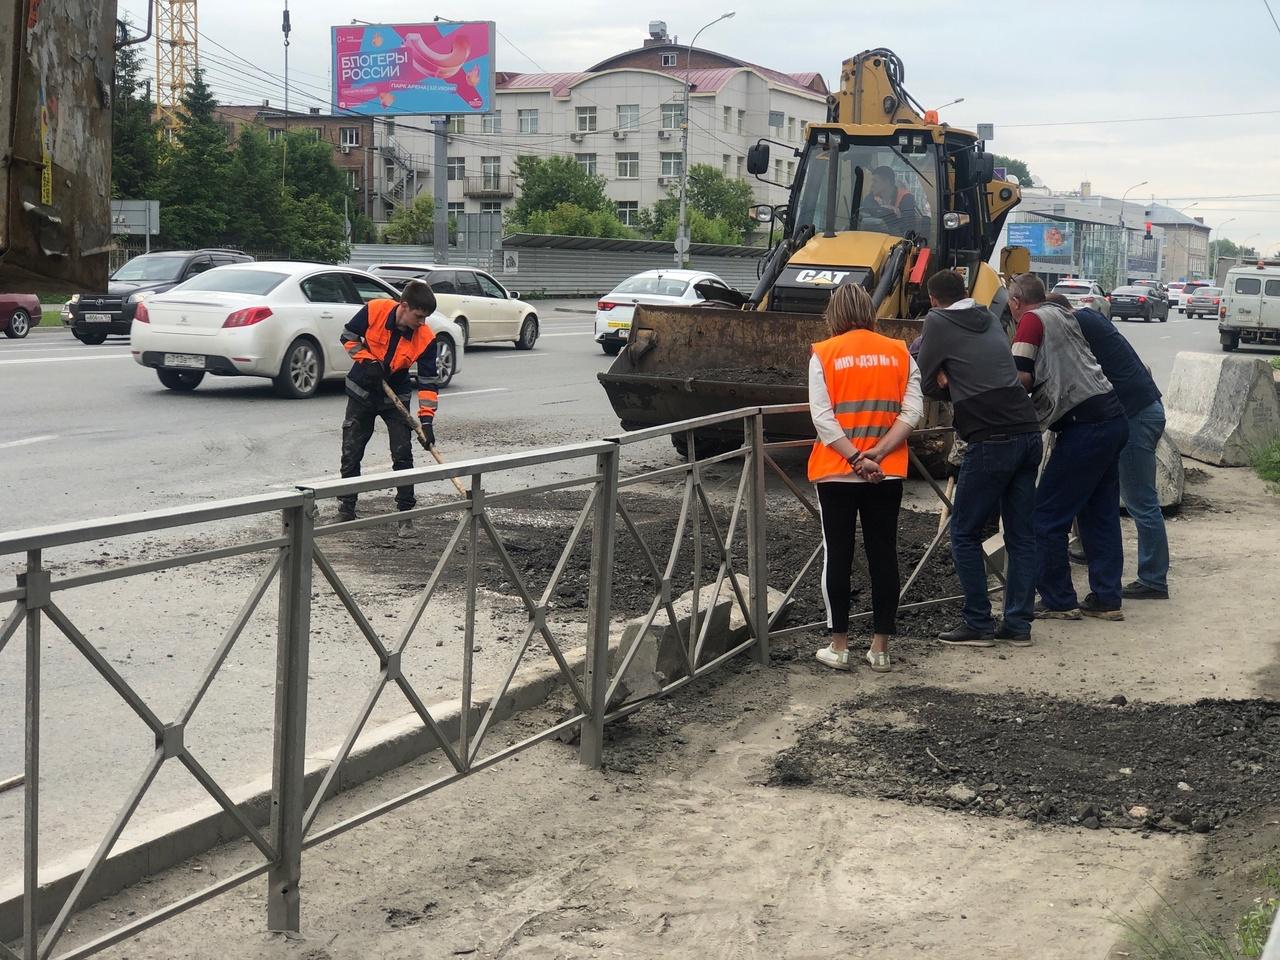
513	294
758	159
984	168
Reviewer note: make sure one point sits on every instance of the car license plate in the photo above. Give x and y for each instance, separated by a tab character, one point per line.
184	360
97	318
619	324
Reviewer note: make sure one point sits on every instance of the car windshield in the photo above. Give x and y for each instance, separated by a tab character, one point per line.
151	266
656	285
896	195
231	280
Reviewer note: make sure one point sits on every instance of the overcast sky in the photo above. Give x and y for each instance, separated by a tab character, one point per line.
1039	63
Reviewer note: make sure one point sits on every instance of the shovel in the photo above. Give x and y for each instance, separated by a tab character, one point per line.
414	425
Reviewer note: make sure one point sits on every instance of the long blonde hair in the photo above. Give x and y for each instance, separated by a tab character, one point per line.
849	309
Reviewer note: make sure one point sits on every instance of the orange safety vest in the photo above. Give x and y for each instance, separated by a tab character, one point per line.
866	376
377	343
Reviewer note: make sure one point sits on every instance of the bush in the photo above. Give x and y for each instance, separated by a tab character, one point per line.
1267	462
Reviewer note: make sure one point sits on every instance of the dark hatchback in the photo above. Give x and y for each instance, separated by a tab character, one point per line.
1141	303
95	316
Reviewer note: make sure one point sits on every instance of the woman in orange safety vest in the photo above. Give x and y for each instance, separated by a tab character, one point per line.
865	399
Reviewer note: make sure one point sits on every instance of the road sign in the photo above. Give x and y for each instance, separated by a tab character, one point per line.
986	131
682	244
135	218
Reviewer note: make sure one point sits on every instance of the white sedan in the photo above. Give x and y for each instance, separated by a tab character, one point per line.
272	319
671	287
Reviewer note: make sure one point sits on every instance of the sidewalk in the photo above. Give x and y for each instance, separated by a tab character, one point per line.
681	849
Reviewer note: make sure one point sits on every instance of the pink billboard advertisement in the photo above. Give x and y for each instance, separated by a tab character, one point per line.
387	70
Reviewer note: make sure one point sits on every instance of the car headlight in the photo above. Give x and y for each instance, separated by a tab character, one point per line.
140	296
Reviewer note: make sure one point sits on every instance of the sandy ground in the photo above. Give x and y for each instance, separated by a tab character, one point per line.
691	855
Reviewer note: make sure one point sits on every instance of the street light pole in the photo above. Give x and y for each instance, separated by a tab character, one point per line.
1209	247
682	240
1123	266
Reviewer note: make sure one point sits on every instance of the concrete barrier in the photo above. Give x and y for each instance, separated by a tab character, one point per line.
1170	478
1221	408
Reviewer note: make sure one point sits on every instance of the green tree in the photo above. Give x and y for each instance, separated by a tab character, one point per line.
416	223
134	142
702	229
571	220
1226	248
314	230
311	171
256	218
1015	166
545	183
723	203
193	186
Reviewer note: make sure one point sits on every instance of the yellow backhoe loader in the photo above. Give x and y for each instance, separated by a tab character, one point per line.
884	196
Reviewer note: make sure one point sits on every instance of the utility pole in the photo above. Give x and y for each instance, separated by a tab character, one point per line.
440	222
285	28
1122	275
682	234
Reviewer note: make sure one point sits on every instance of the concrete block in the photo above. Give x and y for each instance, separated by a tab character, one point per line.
1169	474
1221	408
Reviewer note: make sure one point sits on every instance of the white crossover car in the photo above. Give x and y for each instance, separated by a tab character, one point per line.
672	287
278	320
486	311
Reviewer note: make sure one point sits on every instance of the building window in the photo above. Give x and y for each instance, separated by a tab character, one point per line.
458	124
776	119
725	160
740	163
457	209
742	121
628	116
672	114
728	118
629	212
777	170
791	170
587	161
668	59
628	166
791	128
586	119
491	206
275	134
491	169
455	168
672	164
349	136
353	179
528	120
492	122
317	132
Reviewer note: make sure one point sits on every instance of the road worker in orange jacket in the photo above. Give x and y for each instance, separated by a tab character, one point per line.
385	340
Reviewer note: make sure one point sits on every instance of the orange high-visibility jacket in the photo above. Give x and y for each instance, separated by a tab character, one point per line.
372	334
866	376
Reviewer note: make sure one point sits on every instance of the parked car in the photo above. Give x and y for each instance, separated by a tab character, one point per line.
1188	288
616	308
486	311
19	312
1084	293
1250	310
1204	302
1138	302
273	319
95	316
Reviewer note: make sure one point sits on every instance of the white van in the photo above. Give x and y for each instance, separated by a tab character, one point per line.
1250	310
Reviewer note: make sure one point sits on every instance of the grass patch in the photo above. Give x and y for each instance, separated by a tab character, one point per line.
1172	933
1267	462
1275	363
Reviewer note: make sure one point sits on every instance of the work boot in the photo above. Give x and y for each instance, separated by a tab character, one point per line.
1091	606
1044	613
346	513
1076	556
1140	591
1005	633
966	636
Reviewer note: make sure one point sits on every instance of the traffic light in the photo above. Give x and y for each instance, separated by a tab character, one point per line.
1148	236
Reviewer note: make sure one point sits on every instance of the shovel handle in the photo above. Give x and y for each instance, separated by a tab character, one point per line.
418	432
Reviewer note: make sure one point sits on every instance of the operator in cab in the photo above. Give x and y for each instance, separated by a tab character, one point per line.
891	202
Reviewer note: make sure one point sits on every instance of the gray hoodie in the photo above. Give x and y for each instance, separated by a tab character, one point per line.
968	344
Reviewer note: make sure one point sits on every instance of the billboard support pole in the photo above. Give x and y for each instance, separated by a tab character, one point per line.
440	239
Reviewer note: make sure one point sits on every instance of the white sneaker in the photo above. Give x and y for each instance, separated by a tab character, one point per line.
835	659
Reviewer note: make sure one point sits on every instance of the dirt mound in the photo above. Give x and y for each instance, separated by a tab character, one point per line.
1148	766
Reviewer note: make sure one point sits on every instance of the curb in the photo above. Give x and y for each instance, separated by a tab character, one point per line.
175	837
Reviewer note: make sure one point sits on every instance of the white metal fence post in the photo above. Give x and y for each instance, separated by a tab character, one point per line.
757	535
35	581
288	774
596	680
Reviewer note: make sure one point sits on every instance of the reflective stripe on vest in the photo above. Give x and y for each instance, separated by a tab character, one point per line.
866	376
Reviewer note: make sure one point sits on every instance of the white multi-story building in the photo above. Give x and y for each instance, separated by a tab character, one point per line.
620	119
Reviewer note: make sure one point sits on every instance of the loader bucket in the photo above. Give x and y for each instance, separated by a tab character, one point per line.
685	362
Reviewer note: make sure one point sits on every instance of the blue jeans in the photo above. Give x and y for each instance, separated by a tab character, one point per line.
997	473
1138	491
1081	480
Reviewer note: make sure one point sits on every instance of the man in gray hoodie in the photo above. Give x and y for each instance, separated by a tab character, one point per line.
964	357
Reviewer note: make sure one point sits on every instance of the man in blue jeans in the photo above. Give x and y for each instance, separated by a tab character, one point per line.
1075	400
1140	397
964	357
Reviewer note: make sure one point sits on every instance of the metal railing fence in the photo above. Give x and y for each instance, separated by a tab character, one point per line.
298	553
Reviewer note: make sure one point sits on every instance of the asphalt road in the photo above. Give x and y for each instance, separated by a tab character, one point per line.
1159	343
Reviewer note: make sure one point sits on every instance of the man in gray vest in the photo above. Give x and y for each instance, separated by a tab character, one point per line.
1075	400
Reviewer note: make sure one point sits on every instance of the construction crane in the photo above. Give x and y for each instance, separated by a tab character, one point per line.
177	55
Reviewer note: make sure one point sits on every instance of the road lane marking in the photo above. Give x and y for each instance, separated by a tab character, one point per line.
450	395
68	359
579	333
28	440
523	356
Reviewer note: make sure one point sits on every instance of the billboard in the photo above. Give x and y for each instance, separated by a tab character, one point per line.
1046	241
386	70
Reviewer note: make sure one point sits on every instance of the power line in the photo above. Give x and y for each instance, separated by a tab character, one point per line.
1188	116
1267	4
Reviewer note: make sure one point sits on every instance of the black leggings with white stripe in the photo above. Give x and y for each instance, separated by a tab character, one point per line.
876	505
